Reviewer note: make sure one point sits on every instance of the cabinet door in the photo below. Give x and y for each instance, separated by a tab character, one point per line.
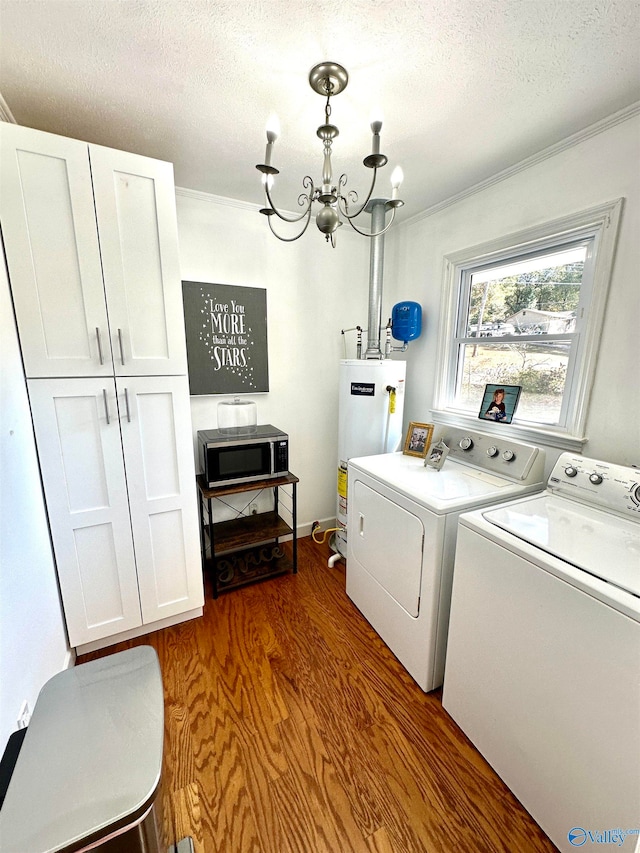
80	450
136	212
158	449
51	243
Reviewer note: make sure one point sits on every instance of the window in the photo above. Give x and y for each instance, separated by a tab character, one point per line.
527	311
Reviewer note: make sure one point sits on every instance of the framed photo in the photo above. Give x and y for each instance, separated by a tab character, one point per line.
499	403
436	456
418	439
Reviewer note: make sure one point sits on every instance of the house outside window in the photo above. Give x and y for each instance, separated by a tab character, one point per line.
527	310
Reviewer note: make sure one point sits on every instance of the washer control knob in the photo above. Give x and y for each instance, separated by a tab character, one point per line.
570	471
596	479
508	455
466	443
492	451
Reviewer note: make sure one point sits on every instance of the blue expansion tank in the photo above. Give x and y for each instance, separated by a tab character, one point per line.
406	321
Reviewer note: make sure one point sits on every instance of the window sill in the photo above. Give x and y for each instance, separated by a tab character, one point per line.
532	435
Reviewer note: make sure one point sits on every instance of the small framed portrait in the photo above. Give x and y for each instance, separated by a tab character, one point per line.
499	403
418	439
436	456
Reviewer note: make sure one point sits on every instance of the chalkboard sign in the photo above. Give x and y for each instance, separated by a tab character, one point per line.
226	328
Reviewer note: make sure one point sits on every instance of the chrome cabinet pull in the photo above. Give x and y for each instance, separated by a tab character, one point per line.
106	405
99	345
126	401
121	348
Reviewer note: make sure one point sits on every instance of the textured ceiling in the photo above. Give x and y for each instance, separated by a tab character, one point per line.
467	87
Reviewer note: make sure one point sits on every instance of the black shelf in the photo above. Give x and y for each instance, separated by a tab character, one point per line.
246	549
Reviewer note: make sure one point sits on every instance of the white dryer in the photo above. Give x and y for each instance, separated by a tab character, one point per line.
543	661
402	520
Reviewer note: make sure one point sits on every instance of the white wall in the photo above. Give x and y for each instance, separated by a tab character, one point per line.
33	645
313	292
599	169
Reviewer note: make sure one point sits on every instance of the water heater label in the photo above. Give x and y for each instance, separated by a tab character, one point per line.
363	389
342	482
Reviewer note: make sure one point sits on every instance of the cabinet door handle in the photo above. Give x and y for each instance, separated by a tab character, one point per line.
121	347
106	405
99	345
126	402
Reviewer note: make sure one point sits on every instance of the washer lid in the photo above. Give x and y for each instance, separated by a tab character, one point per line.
597	542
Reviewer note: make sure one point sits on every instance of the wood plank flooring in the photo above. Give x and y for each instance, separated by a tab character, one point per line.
291	728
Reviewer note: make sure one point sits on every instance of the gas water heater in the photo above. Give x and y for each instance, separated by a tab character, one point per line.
371	391
371	402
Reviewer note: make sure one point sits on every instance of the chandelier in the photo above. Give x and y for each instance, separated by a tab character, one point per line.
336	205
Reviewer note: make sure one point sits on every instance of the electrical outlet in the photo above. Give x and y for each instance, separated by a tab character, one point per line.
253	508
24	716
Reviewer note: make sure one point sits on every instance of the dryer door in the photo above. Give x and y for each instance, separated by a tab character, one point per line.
387	541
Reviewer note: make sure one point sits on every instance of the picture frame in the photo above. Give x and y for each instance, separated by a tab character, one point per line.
418	439
499	402
226	333
436	456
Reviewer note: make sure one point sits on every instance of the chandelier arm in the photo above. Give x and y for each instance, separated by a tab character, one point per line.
297	237
376	233
307	182
343	206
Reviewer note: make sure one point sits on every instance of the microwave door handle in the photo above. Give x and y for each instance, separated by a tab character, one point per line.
272	449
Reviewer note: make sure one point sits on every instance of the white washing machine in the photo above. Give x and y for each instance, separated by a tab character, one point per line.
401	525
543	660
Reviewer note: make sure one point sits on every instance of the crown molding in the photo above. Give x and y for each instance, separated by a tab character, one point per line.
5	112
575	139
586	133
198	195
224	201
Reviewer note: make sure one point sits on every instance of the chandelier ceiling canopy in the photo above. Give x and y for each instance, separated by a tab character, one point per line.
336	205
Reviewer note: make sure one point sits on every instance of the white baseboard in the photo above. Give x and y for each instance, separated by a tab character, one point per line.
94	645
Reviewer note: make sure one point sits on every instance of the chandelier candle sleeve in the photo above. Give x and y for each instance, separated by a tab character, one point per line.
397	176
273	129
376	127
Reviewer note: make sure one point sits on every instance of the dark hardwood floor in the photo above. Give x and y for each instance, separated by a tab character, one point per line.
291	728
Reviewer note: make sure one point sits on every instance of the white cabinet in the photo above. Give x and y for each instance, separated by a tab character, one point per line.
80	450
117	467
91	244
51	245
136	215
90	239
157	440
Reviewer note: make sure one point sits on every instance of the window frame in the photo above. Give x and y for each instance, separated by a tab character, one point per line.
597	226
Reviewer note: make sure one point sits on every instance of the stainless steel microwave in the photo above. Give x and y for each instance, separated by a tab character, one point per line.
260	452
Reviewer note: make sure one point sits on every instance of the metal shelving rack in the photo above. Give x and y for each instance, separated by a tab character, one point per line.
247	549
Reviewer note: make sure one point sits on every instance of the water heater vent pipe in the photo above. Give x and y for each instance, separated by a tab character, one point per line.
378	210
